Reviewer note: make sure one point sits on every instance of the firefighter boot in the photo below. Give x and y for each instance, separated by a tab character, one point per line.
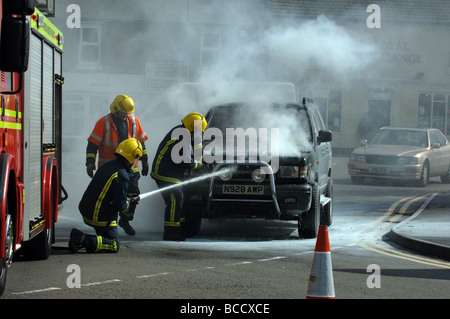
79	240
76	240
173	234
124	223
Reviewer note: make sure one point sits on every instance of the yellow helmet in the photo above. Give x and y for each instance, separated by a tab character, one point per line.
190	120
122	103
130	149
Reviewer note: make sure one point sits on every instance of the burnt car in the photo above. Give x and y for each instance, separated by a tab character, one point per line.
397	153
285	173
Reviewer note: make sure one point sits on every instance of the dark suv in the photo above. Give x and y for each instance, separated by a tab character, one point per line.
282	173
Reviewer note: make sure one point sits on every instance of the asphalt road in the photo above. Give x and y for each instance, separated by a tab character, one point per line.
248	259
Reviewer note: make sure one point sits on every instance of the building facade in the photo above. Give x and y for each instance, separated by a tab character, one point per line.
395	74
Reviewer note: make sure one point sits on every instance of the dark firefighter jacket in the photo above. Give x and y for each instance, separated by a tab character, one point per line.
163	167
106	194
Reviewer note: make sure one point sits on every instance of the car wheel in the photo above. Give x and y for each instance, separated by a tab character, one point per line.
445	179
425	176
326	217
193	221
308	224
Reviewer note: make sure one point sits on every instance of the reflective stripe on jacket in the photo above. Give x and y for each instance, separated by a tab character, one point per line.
106	138
164	168
106	195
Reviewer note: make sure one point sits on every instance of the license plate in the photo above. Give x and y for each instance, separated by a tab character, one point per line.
243	189
380	170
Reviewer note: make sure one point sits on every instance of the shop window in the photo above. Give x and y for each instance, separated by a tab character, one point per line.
439	112
424	118
434	112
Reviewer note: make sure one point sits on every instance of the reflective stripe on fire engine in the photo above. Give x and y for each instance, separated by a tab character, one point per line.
11	124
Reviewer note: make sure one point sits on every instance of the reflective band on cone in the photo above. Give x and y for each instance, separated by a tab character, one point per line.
321	285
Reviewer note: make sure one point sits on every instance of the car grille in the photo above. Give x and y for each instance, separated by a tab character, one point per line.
381	159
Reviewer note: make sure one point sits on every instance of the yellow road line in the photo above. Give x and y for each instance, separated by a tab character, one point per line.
390	211
405	207
397	254
385	215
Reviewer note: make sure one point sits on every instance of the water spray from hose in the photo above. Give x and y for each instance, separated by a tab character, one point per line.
193	180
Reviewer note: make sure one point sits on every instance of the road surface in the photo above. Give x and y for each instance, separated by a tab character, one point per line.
248	259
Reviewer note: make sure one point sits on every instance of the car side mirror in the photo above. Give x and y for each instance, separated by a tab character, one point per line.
324	136
436	145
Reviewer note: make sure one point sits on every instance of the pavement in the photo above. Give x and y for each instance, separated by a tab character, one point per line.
428	230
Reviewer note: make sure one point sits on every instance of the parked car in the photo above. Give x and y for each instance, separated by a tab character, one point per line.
409	154
300	188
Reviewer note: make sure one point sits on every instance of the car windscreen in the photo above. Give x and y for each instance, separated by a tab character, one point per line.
294	120
289	124
401	137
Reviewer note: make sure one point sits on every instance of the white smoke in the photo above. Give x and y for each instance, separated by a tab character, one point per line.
315	49
276	52
318	44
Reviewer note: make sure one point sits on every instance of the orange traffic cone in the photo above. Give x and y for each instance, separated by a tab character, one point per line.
321	285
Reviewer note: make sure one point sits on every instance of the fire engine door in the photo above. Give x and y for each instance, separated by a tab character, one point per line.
38	121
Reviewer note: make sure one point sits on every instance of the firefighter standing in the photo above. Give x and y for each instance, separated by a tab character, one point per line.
167	172
106	197
108	132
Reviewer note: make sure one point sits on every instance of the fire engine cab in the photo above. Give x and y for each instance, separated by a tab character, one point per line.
31	81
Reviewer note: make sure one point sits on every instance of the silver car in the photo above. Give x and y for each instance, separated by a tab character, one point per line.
402	153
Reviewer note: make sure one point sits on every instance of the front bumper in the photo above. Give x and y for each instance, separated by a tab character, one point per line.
401	172
285	200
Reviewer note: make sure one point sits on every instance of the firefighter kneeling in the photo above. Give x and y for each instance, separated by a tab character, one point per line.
104	199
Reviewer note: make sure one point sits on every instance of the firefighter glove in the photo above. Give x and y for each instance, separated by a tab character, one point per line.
134	199
144	168
90	168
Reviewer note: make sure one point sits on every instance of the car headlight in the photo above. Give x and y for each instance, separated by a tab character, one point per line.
358	158
289	171
408	160
226	175
258	175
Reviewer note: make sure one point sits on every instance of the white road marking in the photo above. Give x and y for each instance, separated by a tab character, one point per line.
154	275
273	258
35	291
100	282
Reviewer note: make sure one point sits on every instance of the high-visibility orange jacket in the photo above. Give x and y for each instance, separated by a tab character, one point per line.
106	138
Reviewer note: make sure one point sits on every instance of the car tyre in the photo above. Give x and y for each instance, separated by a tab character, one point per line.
445	179
308	224
424	176
193	222
326	217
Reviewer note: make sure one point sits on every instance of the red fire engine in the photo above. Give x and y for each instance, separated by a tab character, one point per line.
30	132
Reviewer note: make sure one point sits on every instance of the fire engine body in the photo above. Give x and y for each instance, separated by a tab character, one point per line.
30	133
